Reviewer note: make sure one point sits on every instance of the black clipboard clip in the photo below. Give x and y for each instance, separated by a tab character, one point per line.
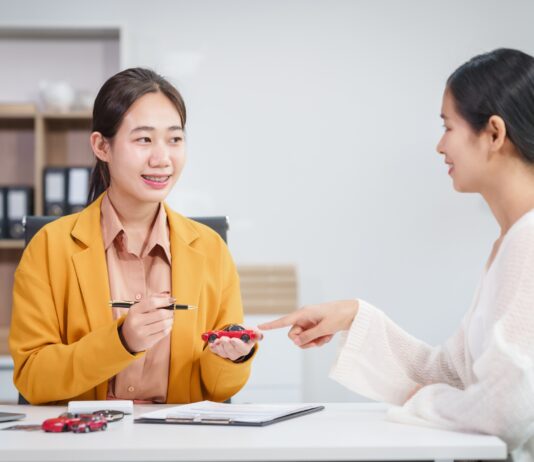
216	420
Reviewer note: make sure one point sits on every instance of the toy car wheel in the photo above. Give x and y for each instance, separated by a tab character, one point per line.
103	427
65	428
212	338
245	338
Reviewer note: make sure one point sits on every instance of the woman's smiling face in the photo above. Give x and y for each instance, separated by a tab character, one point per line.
147	154
465	151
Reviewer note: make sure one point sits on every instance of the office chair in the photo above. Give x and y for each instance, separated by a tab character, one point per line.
33	223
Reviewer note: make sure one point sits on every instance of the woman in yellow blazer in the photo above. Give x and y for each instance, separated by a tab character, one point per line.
65	342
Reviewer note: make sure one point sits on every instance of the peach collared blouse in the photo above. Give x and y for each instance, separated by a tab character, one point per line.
135	276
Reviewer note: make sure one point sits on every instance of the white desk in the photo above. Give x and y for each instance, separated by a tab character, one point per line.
355	431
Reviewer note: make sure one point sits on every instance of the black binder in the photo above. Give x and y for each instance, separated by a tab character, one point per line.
3	219
77	188
55	191
19	203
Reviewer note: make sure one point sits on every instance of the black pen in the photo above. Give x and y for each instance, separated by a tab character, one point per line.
128	304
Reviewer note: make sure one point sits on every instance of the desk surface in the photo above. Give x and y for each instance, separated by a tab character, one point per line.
351	431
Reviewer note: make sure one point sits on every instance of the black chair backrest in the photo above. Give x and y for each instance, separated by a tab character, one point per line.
33	223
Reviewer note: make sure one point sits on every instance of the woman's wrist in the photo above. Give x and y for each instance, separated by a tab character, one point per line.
124	343
351	310
245	358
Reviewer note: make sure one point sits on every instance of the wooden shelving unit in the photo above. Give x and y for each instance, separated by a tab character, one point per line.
11	244
73	115
17	151
31	140
268	289
17	111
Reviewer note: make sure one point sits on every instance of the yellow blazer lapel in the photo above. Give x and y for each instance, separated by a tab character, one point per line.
187	282
90	266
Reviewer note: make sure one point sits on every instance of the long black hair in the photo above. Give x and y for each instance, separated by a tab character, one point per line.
111	104
500	83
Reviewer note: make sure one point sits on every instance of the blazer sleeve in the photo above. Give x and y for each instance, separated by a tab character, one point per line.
222	378
48	368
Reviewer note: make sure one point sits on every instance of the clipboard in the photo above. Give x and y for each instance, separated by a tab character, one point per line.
8	416
210	413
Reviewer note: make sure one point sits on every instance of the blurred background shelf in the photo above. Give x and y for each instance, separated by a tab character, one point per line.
71	115
268	289
17	111
11	243
33	137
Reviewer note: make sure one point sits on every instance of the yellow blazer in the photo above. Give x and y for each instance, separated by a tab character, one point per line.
64	341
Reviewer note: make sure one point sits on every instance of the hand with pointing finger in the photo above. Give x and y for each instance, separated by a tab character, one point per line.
315	325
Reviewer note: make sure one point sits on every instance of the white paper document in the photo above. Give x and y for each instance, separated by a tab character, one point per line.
209	411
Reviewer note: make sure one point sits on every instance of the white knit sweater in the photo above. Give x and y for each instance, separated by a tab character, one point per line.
482	379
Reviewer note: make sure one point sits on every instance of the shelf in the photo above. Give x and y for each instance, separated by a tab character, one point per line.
268	289
66	139
11	243
67	115
33	137
17	111
29	111
4	348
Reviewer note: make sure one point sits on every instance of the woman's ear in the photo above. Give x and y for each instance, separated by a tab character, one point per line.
497	131
100	146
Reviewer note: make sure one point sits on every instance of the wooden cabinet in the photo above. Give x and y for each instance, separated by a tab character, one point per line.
31	140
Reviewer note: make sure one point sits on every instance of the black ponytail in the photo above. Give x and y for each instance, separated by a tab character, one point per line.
99	180
499	83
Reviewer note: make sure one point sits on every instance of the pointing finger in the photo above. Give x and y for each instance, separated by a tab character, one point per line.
284	321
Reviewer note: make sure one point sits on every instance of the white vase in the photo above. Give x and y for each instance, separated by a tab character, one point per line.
56	96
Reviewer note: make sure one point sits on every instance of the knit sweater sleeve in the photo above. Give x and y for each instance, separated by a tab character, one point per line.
381	361
500	401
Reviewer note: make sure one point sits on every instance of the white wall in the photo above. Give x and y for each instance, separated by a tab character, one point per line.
313	125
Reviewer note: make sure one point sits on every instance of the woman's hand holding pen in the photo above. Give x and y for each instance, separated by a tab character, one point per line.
145	324
315	325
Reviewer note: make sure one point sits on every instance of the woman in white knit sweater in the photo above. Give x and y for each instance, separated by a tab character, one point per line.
482	378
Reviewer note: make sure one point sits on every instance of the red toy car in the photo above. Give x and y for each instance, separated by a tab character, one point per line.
232	331
77	423
89	423
62	423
